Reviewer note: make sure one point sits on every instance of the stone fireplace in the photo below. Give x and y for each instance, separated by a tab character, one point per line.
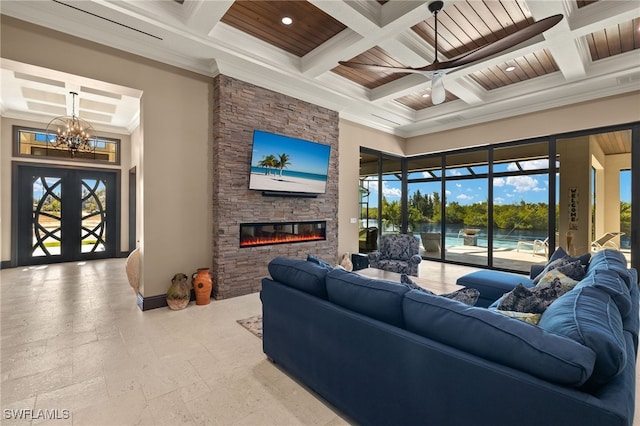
261	234
239	108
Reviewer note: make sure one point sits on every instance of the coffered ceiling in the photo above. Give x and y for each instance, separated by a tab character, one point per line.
592	53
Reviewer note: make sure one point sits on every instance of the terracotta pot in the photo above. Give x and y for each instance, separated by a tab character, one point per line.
202	286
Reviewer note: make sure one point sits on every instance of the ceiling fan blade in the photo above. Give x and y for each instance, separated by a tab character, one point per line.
438	93
502	44
379	68
436	70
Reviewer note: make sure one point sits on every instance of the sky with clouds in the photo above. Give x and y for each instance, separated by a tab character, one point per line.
507	190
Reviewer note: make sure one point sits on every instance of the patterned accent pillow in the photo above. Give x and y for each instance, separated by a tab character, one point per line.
574	270
555	276
568	266
522	316
533	300
465	295
404	279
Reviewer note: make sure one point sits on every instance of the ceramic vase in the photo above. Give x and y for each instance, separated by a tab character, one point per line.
202	286
178	294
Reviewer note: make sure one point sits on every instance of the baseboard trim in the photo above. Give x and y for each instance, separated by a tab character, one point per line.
159	301
153	302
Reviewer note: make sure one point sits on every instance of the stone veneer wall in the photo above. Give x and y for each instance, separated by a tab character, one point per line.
238	109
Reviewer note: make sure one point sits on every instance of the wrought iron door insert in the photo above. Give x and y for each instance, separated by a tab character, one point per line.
65	214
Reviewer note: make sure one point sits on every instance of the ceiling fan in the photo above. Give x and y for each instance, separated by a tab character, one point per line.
437	69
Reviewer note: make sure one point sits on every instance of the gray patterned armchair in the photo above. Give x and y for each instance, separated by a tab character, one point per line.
398	253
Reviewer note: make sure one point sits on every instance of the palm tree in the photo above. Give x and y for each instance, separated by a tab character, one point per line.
268	161
283	162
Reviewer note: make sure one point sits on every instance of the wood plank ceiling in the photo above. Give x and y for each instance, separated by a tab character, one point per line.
592	53
614	142
263	20
613	40
462	27
618	142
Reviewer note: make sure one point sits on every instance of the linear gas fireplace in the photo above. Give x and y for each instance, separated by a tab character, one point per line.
260	234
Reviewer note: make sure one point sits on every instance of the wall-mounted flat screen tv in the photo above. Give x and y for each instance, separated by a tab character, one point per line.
284	164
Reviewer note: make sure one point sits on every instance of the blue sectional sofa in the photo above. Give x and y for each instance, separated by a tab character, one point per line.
387	355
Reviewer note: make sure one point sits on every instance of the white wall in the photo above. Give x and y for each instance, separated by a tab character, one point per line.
136	161
598	162
352	137
619	109
173	165
575	172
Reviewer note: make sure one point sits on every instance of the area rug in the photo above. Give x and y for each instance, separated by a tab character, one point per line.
253	324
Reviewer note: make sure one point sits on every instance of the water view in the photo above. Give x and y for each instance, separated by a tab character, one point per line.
502	239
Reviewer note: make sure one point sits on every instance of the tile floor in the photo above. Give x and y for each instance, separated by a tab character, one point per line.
76	347
75	343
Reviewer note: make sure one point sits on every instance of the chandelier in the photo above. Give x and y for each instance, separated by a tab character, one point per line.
71	133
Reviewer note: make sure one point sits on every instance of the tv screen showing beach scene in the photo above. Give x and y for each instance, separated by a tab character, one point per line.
285	164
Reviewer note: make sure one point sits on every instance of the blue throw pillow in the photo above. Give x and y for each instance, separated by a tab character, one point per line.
590	317
560	253
318	261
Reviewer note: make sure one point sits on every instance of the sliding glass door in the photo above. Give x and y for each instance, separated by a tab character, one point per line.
381	198
521	205
509	206
390	192
466	207
424	204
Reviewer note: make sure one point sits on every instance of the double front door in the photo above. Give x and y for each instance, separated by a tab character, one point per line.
65	214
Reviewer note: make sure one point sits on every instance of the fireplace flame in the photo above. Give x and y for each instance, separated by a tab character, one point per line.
261	234
259	241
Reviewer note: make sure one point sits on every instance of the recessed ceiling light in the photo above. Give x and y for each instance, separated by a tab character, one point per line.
287	20
509	69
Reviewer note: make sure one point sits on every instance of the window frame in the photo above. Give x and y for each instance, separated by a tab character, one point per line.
17	130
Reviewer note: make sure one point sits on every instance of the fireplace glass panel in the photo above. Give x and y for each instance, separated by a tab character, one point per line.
260	234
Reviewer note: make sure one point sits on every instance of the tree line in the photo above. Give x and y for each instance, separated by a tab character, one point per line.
521	216
89	204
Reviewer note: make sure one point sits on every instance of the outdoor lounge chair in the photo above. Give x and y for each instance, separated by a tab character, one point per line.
606	241
431	241
535	245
